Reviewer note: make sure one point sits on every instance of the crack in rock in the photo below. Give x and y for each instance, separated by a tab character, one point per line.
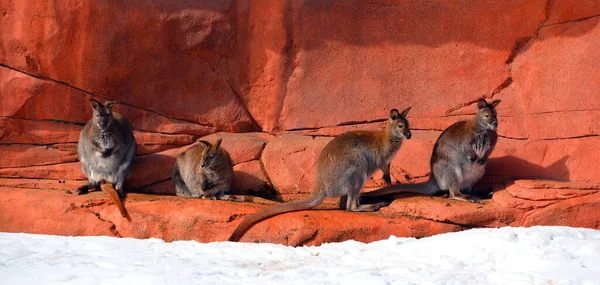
64	83
447	222
235	92
572	21
507	82
522	42
308	239
571	138
112	228
36	165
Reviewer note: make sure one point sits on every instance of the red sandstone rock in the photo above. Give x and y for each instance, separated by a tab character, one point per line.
63	171
291	160
39	132
250	178
151	142
241	147
184	70
564	10
174	218
42	184
149	55
18	155
401	55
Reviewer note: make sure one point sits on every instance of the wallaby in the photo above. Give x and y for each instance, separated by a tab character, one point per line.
203	171
343	167
106	149
458	159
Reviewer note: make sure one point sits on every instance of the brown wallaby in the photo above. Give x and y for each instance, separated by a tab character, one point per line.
343	167
106	149
458	159
203	171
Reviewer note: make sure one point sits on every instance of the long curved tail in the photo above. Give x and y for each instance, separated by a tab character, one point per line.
112	193
312	201
426	188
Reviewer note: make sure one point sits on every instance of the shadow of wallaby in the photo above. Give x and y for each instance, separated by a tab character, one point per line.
511	168
247	184
504	170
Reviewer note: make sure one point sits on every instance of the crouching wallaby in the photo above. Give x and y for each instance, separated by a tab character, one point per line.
203	171
343	167
458	159
106	149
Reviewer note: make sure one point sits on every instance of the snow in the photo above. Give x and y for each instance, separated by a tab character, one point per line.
538	255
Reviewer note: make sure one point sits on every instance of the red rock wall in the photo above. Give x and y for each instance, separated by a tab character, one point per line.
292	73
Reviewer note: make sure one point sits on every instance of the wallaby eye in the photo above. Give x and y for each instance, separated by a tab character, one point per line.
401	126
486	115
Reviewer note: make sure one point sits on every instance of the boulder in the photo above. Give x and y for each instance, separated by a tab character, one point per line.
60	212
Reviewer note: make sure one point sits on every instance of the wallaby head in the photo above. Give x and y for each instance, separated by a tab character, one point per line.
103	116
210	154
398	124
486	115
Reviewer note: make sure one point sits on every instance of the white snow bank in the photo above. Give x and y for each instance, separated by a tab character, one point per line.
538	255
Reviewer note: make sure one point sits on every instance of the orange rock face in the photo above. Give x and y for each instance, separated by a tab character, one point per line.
276	81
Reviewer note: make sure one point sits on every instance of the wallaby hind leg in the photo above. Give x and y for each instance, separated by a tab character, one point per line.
456	195
343	202
120	191
92	185
353	205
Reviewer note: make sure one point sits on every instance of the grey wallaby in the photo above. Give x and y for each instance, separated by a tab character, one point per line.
343	167
458	159
203	171
106	149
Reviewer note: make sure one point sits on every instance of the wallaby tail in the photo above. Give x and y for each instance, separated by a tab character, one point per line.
426	188
113	195
246	198
312	201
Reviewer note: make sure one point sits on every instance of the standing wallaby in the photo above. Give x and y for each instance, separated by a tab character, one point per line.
106	149
203	171
458	159
343	167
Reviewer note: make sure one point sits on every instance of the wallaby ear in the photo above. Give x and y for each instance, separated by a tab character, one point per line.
481	103
494	103
110	104
95	104
205	143
405	112
218	143
394	114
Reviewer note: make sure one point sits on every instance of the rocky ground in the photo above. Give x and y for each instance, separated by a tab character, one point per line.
278	80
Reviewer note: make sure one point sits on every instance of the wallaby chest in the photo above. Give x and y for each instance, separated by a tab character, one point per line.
105	142
389	150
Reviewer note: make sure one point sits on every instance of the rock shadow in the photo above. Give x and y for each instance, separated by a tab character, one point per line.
499	171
